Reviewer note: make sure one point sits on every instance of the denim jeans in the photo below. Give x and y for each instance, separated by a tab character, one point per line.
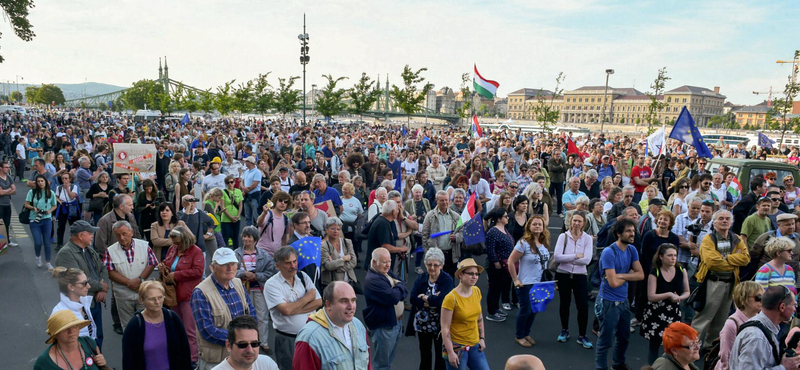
41	237
474	359
251	208
384	342
615	318
97	315
524	316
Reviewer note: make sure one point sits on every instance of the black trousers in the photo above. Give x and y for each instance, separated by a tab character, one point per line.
556	192
499	284
62	224
450	267
430	351
5	215
569	285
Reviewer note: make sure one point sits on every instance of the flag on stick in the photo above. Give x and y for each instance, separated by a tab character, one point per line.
686	131
308	251
484	87
764	141
476	128
541	294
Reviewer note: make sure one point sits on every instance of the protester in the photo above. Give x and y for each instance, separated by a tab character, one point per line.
40	203
531	252
753	349
74	287
463	333
383	315
233	205
747	299
122	210
573	252
242	345
499	244
147	204
777	271
201	226
442	219
67	348
681	348
255	268
337	255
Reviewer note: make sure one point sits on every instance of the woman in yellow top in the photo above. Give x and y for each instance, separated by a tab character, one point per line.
462	321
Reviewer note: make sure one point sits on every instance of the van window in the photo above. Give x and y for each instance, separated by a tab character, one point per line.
714	168
763	171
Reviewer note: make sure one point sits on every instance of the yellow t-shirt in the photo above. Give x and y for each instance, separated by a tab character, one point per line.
466	311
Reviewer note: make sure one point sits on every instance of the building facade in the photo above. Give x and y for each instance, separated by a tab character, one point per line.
753	115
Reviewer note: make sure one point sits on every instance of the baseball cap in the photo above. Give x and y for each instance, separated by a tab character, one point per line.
216	160
250	159
656	202
283	169
223	256
81	226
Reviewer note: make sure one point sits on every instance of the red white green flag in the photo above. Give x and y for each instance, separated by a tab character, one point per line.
484	87
476	127
468	213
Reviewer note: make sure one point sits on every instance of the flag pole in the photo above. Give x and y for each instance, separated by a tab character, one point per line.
664	143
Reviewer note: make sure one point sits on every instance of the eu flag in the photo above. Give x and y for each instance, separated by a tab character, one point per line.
473	231
398	182
686	131
185	119
541	294
764	141
404	131
308	251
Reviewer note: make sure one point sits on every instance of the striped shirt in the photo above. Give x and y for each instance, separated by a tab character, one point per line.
768	276
151	258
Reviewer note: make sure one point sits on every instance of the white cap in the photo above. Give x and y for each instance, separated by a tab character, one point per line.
223	256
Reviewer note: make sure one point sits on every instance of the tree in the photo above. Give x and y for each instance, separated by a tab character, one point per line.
544	111
166	103
206	103
263	96
656	106
409	98
330	101
781	107
287	99
143	92
362	96
465	111
45	94
243	97
16	13
16	96
191	101
622	120
223	101
178	97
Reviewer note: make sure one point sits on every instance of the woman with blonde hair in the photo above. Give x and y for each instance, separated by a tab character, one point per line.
73	286
171	180
747	299
777	272
532	254
536	206
651	192
606	186
573	252
411	180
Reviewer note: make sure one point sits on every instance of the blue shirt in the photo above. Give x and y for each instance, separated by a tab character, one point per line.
251	176
569	197
201	310
622	262
394	166
604	171
330	194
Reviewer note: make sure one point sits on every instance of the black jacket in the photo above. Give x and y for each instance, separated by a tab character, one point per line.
180	355
742	210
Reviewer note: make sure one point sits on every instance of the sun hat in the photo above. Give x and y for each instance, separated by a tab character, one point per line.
63	320
467	262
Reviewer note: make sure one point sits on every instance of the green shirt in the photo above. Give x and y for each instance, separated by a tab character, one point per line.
229	204
754	226
44	362
44	203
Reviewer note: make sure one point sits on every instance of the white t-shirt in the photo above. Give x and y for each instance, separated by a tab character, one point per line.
410	167
262	363
63	195
21	150
211	181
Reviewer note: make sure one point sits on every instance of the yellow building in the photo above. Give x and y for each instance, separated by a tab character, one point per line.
754	116
519	102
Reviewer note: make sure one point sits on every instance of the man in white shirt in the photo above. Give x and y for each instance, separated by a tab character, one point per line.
215	179
289	300
242	345
480	187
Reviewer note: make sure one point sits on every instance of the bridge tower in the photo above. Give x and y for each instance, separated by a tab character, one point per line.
165	79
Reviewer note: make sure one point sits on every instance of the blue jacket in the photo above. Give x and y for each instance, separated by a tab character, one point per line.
444	284
381	298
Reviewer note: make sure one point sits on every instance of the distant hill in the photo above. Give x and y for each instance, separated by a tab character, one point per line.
73	91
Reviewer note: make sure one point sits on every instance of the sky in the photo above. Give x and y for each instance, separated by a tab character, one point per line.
519	43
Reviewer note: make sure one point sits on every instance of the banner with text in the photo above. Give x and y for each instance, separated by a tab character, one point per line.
131	158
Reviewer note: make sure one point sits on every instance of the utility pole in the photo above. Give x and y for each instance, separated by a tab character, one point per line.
605	98
304	58
18	77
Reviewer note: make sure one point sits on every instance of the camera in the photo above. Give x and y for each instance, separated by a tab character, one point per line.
694	228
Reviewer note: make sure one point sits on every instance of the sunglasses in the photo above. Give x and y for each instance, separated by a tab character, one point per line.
471	273
757	298
243	345
83	283
229	182
513	187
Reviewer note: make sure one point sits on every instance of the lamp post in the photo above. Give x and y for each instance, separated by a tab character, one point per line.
304	58
313	97
605	98
18	77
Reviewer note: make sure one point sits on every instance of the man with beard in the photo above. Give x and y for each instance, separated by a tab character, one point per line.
299	183
321	339
704	192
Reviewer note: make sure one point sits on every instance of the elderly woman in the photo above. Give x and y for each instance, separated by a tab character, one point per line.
377	205
351	210
573	252
581	205
462	322
185	264
429	290
360	191
417	207
681	348
69	350
531	251
747	299
459	200
155	338
159	230
255	268
74	288
337	255
777	272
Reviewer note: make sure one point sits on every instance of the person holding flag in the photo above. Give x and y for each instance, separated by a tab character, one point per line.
686	131
532	254
444	219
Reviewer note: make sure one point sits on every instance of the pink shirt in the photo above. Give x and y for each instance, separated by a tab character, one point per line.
727	336
565	254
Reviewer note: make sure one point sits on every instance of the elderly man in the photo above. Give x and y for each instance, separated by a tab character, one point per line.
77	254
122	210
323	193
437	171
605	169
383	232
242	354
384	294
300	183
216	301
333	334
443	218
571	196
290	297
753	349
84	177
627	201
589	185
722	253
648	220
251	186
230	166
524	362
129	261
405	226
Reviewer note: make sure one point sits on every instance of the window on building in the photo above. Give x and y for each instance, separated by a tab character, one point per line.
684	100
669	100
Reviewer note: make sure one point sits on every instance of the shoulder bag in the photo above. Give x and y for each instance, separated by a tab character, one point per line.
24	216
170	295
552	266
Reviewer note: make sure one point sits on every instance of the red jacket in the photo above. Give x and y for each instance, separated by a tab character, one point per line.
188	272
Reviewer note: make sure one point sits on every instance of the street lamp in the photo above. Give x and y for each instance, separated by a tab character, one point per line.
18	77
605	98
304	59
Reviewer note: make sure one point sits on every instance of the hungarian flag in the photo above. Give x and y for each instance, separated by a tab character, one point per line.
476	127
468	213
484	87
571	148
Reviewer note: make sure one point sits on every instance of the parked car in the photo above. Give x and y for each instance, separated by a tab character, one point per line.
745	169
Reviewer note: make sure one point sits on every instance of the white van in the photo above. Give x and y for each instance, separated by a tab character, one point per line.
146	115
13	109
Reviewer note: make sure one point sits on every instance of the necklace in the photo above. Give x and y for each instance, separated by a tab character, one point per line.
83	359
150	320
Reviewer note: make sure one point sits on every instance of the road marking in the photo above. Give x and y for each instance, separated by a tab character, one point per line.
16	229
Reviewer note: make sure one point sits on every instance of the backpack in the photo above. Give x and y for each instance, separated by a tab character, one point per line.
367	226
712	357
269	222
776	350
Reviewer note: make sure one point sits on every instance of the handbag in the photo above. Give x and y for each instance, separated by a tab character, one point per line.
24	216
552	265
698	296
96	205
170	295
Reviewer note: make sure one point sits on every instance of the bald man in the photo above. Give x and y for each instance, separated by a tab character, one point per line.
524	362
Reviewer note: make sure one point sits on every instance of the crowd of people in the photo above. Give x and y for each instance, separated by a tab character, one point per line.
204	244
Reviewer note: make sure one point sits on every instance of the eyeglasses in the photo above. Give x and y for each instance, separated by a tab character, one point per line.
694	346
83	283
513	187
243	345
155	299
775	199
757	298
433	265
706	183
472	273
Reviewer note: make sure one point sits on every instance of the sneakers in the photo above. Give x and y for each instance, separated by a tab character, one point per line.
523	342
49	266
12	244
585	342
563	336
38	261
501	313
495	318
507	306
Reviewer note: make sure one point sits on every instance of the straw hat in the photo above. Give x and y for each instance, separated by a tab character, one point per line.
63	320
468	262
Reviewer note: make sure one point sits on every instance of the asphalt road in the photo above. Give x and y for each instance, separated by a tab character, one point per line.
30	293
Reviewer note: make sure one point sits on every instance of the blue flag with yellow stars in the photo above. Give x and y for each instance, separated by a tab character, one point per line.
686	131
541	294
473	231
308	251
764	141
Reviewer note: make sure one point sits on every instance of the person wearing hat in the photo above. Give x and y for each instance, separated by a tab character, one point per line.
251	187
68	350
757	223
215	302
462	322
285	179
76	253
605	169
215	179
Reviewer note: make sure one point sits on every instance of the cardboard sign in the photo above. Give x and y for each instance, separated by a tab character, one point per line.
131	158
327	207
